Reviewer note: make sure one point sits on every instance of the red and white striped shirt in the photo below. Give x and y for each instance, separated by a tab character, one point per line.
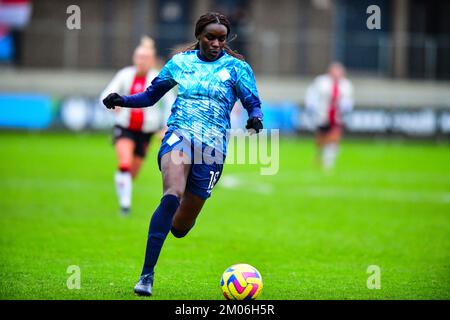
327	99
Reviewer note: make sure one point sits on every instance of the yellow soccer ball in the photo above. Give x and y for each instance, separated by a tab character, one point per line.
241	282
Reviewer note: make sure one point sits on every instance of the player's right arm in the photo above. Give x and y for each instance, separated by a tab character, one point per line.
159	87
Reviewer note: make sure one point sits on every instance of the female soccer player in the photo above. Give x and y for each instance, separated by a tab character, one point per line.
135	127
210	78
327	98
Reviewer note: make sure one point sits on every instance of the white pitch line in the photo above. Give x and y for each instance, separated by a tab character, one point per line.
240	183
234	182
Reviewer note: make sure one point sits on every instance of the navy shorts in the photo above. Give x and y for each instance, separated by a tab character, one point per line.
203	176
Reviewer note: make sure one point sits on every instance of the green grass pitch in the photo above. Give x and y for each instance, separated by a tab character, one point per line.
311	235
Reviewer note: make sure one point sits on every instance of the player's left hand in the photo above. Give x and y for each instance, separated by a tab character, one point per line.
255	124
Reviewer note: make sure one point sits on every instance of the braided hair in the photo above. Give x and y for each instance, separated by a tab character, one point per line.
202	22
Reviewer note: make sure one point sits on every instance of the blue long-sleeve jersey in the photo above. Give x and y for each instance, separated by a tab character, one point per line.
207	92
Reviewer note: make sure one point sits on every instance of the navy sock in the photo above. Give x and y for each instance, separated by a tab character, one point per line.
160	225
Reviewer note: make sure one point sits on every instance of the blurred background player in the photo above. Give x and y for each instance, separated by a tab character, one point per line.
327	98
135	127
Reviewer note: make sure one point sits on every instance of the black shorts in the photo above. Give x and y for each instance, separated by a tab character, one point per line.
140	139
327	128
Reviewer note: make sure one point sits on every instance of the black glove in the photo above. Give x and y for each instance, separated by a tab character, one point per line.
254	123
113	100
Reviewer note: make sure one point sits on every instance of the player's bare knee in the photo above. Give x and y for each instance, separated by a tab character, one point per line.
178	192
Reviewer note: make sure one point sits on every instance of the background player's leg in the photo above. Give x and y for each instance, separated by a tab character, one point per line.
184	218
123	176
330	148
140	151
319	148
174	176
136	165
329	155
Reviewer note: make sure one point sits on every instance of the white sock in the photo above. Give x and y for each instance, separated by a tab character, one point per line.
124	187
329	153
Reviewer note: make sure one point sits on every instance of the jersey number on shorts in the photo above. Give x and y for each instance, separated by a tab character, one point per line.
213	180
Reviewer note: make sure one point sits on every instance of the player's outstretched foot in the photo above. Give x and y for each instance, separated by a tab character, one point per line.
125	211
144	286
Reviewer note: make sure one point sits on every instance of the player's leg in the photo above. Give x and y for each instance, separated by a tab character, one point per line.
330	148
140	152
320	142
174	175
184	218
136	165
123	178
201	180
